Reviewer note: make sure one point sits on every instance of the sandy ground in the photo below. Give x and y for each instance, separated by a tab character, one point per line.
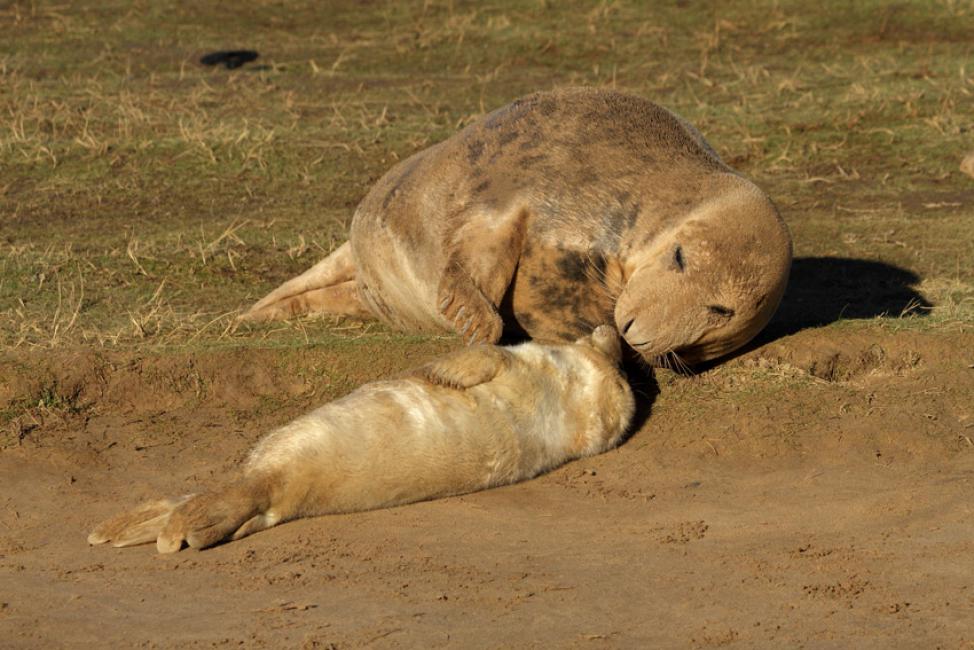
815	492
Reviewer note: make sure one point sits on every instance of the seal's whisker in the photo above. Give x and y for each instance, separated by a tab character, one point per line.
595	273
644	364
665	360
683	367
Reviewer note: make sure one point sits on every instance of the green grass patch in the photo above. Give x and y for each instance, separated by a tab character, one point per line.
145	199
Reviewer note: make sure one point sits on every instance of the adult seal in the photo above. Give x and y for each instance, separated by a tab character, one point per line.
558	212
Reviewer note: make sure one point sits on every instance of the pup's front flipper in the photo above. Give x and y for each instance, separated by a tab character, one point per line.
465	368
138	526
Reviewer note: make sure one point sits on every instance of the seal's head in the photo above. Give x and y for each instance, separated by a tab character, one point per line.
710	283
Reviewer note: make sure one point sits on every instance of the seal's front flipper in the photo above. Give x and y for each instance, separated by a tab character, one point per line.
465	368
474	315
327	287
483	256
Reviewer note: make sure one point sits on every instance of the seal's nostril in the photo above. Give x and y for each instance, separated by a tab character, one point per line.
625	328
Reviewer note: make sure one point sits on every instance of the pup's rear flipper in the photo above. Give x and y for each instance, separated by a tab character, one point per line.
213	517
139	526
199	520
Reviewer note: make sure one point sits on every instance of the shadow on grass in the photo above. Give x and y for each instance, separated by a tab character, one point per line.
822	290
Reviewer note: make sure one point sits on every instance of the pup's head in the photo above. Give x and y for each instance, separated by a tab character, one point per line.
605	340
605	384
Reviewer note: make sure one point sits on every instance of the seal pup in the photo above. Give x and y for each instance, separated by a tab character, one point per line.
481	417
560	211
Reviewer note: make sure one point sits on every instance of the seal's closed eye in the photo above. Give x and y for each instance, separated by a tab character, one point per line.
720	310
678	258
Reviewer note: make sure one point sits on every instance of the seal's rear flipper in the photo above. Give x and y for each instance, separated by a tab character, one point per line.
198	520
338	300
328	287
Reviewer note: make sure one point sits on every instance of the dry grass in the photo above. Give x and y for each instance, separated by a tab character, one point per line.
145	199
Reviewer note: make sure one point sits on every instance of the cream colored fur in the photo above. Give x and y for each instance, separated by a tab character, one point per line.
482	417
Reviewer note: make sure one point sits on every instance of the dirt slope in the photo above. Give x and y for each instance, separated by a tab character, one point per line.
812	493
